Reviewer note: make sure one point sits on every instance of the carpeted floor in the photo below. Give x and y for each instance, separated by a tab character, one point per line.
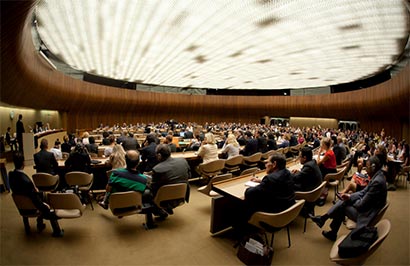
99	238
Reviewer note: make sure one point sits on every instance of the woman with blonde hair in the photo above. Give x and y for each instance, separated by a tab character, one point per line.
117	157
326	162
231	146
208	150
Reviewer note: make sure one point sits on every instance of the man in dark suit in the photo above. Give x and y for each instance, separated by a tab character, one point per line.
361	206
148	156
262	141
309	177
44	160
169	171
251	145
275	192
19	132
130	143
21	184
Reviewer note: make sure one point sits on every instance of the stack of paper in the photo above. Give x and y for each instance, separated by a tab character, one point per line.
254	246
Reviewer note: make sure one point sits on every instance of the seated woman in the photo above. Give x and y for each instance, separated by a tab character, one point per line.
327	161
208	150
117	157
231	146
79	160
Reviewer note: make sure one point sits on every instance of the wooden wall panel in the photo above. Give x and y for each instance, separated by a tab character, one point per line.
28	81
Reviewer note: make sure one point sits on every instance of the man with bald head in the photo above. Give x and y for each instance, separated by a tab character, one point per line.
125	179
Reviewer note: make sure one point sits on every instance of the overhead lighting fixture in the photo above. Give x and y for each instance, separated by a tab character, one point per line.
47	60
198	43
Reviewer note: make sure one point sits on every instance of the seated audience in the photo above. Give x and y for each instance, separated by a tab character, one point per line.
231	146
262	141
79	160
168	141
169	171
208	150
272	145
275	193
130	143
309	177
117	157
44	160
125	179
65	146
361	206
91	147
251	146
21	184
56	150
148	156
108	149
327	161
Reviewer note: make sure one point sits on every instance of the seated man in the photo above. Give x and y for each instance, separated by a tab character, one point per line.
169	171
274	194
361	206
125	179
44	160
21	184
309	177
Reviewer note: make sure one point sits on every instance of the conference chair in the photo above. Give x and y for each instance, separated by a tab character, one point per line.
249	171
383	230
252	160
333	179
171	192
210	169
350	224
233	164
207	189
66	205
264	157
65	155
46	182
26	209
404	175
272	222
83	181
310	197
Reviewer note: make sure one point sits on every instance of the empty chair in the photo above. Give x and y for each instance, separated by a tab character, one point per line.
252	160
350	224
310	197
250	171
26	209
233	164
334	179
45	181
66	205
207	189
213	168
83	180
271	222
383	229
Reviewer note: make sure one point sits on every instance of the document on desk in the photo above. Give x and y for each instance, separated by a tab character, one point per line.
251	184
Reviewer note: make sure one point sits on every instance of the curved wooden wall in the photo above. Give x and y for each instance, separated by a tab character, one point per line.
28	81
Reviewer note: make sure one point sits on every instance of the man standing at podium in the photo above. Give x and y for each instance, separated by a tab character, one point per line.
19	132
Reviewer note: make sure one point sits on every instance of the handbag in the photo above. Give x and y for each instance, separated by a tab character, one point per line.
360	179
254	252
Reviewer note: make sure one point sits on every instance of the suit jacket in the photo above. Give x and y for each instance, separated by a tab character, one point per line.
130	143
262	144
148	157
19	129
170	171
308	178
21	184
274	194
45	162
251	147
369	201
